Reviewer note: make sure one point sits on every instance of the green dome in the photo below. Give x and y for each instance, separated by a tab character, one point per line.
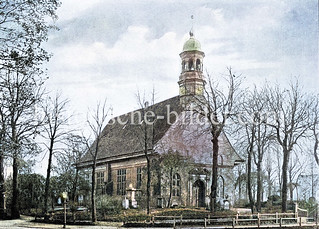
192	45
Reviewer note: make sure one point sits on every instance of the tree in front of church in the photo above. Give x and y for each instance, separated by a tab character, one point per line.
67	164
97	120
293	121
217	107
55	129
255	137
147	139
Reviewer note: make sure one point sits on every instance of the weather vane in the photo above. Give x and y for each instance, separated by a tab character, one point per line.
191	32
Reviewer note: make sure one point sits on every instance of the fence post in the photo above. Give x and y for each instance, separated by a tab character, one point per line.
181	220
174	222
317	216
205	223
208	218
233	222
280	224
153	219
258	217
300	221
237	218
276	217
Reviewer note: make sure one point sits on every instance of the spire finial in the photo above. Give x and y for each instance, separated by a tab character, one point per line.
191	33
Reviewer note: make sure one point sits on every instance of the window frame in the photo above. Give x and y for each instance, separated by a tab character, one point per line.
139	177
100	176
121	182
176	184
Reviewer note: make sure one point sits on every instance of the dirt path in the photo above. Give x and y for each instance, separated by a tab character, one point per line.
25	222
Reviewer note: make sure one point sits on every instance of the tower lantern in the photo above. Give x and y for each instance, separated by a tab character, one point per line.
191	80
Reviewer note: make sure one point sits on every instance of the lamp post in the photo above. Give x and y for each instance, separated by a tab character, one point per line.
64	197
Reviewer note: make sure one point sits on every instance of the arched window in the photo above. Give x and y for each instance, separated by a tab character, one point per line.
220	160
190	65
221	186
176	184
198	65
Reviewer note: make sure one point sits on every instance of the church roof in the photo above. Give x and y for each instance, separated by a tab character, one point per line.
171	131
123	140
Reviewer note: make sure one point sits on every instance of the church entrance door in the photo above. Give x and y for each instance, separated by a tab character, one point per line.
200	193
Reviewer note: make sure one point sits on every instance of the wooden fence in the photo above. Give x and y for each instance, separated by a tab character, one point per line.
237	221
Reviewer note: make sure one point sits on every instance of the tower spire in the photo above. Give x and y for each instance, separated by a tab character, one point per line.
191	33
191	80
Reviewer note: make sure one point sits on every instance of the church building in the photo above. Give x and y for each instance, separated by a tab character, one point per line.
179	147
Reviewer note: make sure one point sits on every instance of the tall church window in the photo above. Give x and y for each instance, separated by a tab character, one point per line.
198	65
221	186
121	182
99	180
176	184
183	66
138	177
190	65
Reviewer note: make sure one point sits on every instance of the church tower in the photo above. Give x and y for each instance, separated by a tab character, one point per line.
191	80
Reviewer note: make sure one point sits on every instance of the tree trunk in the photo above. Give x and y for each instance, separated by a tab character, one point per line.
75	183
269	185
148	185
284	191
249	188
2	188
15	213
148	182
47	180
170	187
94	220
315	147
213	193
259	186
249	168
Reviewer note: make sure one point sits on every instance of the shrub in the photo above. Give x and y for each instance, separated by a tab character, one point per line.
108	205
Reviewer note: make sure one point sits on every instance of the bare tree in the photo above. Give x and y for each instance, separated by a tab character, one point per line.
217	108
264	137
249	121
70	157
315	127
292	107
55	127
3	123
97	120
146	140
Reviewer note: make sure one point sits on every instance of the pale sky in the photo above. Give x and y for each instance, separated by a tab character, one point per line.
109	49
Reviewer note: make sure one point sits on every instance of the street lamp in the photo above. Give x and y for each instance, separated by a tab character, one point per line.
64	197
